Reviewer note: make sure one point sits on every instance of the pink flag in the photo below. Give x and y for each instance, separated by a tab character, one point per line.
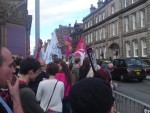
68	44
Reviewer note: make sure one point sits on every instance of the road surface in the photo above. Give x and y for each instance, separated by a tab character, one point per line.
136	90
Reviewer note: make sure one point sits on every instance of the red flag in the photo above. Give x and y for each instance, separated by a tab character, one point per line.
81	49
39	49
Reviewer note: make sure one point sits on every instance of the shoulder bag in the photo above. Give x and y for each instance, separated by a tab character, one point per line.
51	97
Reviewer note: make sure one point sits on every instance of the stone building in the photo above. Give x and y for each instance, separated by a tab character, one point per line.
61	32
119	28
15	25
76	34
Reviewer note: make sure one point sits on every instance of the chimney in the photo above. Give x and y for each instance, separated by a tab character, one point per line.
60	26
100	3
76	22
92	9
69	25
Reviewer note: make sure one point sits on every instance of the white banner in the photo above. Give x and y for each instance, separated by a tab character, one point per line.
52	49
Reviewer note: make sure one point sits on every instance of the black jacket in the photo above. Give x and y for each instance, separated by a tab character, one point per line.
83	71
39	78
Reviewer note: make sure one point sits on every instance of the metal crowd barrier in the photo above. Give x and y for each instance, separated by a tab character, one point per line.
125	104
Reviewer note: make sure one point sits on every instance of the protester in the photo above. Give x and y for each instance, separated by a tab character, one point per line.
65	76
75	70
91	95
29	69
17	62
51	92
70	66
9	99
99	62
103	74
42	76
86	69
57	60
109	69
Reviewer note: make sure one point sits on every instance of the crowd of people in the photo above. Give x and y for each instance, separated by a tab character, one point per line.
28	85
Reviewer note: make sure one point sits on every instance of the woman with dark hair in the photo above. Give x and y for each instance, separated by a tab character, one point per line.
85	70
65	76
51	91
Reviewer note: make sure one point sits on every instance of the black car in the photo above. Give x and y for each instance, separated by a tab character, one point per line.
128	68
146	64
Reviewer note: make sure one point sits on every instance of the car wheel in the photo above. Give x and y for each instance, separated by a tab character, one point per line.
140	80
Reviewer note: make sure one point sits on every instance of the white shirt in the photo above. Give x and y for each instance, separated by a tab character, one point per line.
44	93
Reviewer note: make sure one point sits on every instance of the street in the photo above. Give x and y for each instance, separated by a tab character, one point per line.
136	90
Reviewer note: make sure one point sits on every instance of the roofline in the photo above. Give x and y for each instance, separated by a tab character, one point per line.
116	14
105	3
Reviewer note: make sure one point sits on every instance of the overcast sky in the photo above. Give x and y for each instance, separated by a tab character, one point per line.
58	12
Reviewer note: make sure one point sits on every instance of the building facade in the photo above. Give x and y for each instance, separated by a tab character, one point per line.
119	28
15	25
61	32
76	34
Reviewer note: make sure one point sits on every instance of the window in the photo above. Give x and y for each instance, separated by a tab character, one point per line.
144	48
91	22
117	27
100	17
113	29
88	24
88	38
100	52
126	24
104	52
122	63
142	18
104	33
96	35
96	52
91	36
85	39
133	1
103	15
110	29
96	19
126	3
100	33
128	49
112	9
116	63
134	21
135	49
85	25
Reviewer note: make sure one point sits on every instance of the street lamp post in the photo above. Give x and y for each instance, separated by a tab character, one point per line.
37	22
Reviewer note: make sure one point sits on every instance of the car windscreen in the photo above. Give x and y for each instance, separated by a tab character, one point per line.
145	62
133	62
